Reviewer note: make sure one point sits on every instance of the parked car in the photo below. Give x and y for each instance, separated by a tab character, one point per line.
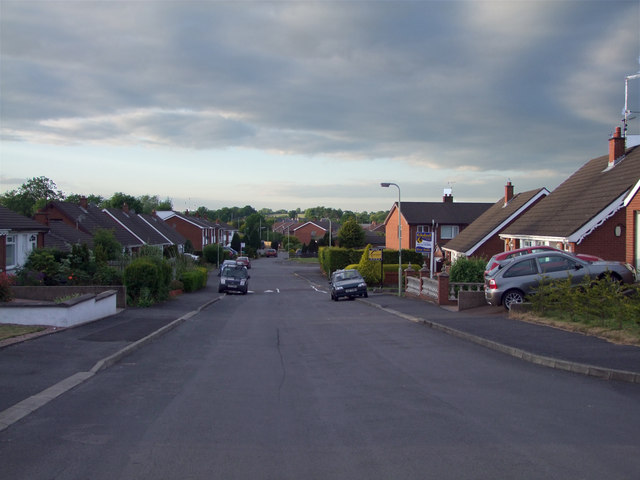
234	278
226	263
244	261
511	280
499	257
347	283
231	251
270	252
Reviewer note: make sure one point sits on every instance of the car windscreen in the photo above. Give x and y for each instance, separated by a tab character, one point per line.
235	272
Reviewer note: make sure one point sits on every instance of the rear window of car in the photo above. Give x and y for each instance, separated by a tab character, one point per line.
520	269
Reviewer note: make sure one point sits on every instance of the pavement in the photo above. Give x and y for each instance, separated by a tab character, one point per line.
37	370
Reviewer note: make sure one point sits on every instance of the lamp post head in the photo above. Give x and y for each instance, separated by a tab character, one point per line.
385	184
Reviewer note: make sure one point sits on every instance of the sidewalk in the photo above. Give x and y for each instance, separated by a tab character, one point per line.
35	371
548	346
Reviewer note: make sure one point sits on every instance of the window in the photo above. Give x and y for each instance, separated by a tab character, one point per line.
556	263
520	269
449	231
33	242
423	228
11	251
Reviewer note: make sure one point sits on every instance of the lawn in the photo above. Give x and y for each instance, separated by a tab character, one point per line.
10	331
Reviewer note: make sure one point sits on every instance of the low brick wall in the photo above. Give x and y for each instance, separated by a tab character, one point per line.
468	300
50	294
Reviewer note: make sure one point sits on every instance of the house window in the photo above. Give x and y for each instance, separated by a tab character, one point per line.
11	251
33	242
423	228
449	231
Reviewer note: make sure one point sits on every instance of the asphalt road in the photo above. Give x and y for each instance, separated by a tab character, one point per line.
285	384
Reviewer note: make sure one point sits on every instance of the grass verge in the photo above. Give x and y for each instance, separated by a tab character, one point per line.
10	331
624	336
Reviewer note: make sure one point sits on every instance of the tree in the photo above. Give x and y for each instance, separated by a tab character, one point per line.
351	235
31	196
105	245
119	199
91	199
235	242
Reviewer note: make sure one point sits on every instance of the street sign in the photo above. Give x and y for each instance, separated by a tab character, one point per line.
375	255
424	242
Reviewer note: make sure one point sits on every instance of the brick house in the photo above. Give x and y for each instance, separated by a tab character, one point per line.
19	236
447	218
595	211
198	231
482	237
314	230
85	218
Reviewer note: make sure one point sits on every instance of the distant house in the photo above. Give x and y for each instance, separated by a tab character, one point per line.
85	218
374	234
595	211
198	231
137	226
19	236
172	236
482	237
63	237
447	218
314	230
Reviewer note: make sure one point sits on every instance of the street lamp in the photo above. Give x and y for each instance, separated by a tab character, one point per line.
386	185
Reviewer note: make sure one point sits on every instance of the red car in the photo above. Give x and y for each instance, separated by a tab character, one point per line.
270	252
244	261
493	262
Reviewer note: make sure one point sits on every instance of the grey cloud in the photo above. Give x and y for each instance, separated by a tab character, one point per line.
359	79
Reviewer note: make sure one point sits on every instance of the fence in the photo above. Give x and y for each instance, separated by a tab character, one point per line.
439	290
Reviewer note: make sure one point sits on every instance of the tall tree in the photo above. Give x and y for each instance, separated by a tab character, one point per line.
31	196
351	235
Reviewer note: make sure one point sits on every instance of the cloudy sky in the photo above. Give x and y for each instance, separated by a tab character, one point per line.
301	104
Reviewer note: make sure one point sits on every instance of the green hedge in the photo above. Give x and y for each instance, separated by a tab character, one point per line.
336	258
147	280
194	279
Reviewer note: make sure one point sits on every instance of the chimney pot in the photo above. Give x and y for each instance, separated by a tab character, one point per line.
83	202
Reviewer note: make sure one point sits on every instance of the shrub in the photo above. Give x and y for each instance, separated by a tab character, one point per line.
369	269
468	270
6	281
107	276
194	279
176	285
42	261
147	277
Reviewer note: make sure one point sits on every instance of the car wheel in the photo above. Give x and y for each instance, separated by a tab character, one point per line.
366	295
614	277
511	297
220	290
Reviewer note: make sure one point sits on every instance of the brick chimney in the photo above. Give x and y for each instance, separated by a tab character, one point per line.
83	202
41	217
616	147
125	207
508	192
447	197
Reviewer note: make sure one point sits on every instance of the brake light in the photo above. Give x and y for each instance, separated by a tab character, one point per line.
492	284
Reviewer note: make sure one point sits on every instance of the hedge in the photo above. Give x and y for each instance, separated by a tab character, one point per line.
194	279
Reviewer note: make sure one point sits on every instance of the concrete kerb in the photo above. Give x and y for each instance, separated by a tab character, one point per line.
20	410
573	367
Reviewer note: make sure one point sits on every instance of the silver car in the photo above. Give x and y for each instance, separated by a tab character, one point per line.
511	281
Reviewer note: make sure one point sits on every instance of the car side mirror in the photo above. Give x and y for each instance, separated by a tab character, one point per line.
578	266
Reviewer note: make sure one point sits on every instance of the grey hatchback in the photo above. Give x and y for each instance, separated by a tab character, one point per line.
347	283
511	281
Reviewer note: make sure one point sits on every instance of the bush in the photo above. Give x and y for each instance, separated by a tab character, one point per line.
194	279
106	275
141	274
369	269
6	281
468	270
